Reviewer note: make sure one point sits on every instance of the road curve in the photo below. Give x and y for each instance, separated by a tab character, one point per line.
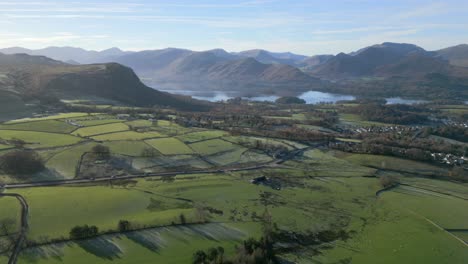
24	226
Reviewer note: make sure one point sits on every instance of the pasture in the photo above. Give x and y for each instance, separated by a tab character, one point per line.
37	140
169	146
319	190
100	129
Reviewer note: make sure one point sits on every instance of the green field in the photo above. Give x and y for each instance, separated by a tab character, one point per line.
96	122
66	161
36	140
356	120
202	135
52	126
170	146
395	164
130	148
52	117
127	135
317	190
212	146
100	129
160	245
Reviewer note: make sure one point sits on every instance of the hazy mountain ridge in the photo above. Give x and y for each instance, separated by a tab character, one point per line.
457	55
38	76
79	55
394	64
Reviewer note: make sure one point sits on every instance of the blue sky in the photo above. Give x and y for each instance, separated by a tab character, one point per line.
302	26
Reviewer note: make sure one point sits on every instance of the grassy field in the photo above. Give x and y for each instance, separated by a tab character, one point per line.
319	190
395	164
202	135
213	146
52	117
101	206
3	146
356	120
97	122
53	126
251	141
66	161
130	148
397	236
139	123
36	140
170	146
161	245
228	158
127	135
101	129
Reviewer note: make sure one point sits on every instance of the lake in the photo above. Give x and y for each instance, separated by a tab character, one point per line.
311	97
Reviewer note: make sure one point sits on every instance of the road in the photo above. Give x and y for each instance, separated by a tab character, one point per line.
24	226
271	164
25	208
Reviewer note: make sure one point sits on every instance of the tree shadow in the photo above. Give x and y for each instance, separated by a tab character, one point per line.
54	251
101	247
150	239
214	232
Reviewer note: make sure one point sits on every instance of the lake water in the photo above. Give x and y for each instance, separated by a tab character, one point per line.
398	100
311	97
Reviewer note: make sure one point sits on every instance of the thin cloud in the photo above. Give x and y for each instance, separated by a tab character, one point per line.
424	11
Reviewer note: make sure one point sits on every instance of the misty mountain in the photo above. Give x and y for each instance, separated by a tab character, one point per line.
38	76
215	69
309	63
268	57
364	62
65	54
456	55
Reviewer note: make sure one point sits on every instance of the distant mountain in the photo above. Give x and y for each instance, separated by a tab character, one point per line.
456	55
147	61
37	76
214	69
417	65
382	69
268	57
364	62
310	63
79	55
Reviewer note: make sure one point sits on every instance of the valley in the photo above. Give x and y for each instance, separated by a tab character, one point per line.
160	184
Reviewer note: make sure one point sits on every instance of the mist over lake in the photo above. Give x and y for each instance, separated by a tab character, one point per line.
311	97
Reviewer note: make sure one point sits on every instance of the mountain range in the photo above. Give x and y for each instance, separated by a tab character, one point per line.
398	65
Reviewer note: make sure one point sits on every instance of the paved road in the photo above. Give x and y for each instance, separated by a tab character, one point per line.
125	177
25	207
274	163
24	226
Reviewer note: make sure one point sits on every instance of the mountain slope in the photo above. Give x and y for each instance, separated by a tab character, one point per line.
457	55
364	62
268	57
36	76
310	63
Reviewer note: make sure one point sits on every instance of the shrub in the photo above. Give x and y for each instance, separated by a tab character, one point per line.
124	226
81	232
101	151
290	100
389	181
21	162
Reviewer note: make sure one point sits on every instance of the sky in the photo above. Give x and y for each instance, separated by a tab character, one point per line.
306	27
